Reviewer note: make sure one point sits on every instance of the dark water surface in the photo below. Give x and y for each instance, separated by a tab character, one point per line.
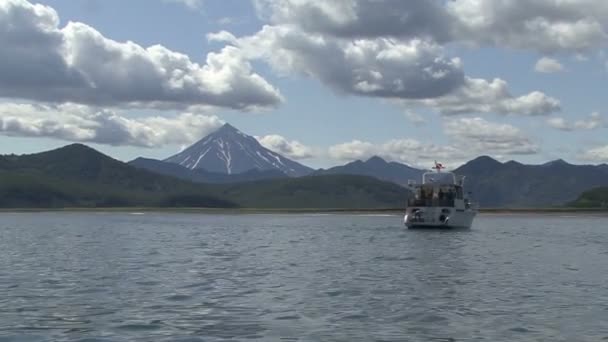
186	277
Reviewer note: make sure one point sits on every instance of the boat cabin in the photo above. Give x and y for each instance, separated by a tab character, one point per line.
438	189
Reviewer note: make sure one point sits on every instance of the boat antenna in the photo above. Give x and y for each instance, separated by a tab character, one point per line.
438	166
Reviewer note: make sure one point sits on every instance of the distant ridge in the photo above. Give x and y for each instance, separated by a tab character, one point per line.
379	168
79	176
512	184
231	151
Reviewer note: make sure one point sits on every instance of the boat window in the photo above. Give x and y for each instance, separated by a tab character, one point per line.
459	192
438	178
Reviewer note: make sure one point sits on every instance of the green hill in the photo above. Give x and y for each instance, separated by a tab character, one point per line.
594	198
79	176
331	191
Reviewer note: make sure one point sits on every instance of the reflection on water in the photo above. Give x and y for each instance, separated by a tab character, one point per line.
170	277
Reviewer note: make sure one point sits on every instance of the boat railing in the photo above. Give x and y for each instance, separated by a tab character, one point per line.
439	178
431	202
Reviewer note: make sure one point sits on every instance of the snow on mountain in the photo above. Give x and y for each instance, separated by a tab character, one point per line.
231	151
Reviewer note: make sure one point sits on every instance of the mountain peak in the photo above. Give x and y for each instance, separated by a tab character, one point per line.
513	163
230	151
228	128
556	162
486	159
73	150
376	160
478	164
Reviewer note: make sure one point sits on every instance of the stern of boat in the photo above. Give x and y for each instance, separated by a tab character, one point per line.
438	217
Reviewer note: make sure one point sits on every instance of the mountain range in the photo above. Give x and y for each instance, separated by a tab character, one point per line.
513	184
230	156
378	168
79	176
231	169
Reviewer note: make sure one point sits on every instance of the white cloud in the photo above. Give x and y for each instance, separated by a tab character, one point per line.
468	138
42	62
482	136
408	151
594	121
597	154
414	72
222	36
332	46
347	45
559	123
290	148
414	118
360	19
85	124
539	25
481	96
548	65
381	67
353	150
192	4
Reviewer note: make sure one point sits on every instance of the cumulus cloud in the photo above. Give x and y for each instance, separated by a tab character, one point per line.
482	96
408	151
548	65
361	19
42	62
414	118
480	135
540	25
85	124
596	154
379	67
291	148
559	123
414	72
469	137
594	121
222	36
353	150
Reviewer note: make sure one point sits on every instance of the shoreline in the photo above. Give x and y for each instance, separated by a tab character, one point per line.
237	211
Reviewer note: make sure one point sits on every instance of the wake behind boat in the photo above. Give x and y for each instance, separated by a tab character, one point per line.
439	202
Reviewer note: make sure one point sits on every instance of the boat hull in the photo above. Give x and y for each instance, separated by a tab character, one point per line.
438	217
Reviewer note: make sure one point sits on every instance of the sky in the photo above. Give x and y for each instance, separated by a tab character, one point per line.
321	82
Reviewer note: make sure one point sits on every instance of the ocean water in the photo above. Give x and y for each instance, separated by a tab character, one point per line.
191	277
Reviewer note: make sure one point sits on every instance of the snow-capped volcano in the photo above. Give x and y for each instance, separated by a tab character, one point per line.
231	151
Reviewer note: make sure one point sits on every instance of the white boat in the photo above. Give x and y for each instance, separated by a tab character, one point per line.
439	202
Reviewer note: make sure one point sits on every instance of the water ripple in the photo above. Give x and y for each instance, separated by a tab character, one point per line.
191	278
